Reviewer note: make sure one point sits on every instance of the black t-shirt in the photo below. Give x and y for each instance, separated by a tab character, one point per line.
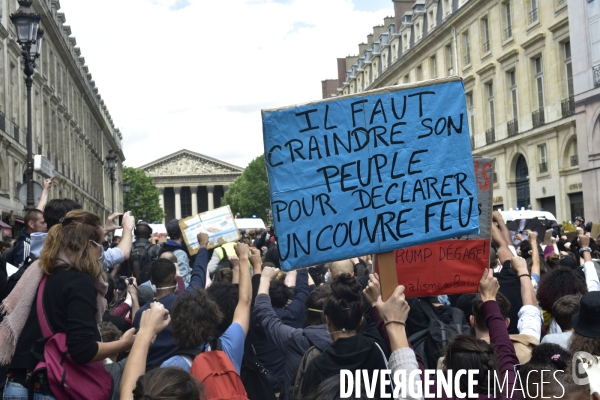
70	305
510	287
417	319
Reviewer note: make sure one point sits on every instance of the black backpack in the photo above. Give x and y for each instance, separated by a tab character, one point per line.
430	342
295	390
140	261
12	281
257	380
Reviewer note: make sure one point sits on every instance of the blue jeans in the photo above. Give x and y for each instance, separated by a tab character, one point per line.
16	391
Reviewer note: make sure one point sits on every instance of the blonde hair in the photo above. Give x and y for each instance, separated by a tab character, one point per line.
71	237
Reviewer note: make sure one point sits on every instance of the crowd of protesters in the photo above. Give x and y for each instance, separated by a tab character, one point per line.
133	319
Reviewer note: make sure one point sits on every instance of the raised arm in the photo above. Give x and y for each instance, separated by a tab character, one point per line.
530	318
591	275
504	252
535	255
198	279
242	310
497	217
45	194
153	321
127	236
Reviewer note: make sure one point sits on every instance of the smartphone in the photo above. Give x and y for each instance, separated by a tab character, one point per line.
120	220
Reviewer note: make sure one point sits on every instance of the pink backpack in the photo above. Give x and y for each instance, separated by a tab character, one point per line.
66	378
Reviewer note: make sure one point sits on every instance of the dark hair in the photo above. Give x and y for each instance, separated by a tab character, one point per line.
223	275
109	332
317	273
195	319
162	271
583	343
557	283
173	229
279	293
32	215
57	209
143	231
169	383
555	361
343	305
316	301
563	310
468	352
478	315
226	295
110	293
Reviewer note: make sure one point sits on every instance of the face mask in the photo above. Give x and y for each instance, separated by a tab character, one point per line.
101	259
154	288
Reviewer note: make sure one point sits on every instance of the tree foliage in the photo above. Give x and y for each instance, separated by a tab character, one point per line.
144	189
249	194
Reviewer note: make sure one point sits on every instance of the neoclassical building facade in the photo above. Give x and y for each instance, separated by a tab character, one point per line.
190	183
515	61
71	126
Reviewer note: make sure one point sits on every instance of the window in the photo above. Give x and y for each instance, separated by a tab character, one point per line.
539	81
450	60
417	32
431	20
471	107
507	22
447	8
489	87
419	73
406	78
512	82
433	64
569	69
533	11
485	35
543	154
594	26
405	40
467	48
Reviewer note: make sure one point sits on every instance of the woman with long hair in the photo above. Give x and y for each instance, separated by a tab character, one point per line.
70	267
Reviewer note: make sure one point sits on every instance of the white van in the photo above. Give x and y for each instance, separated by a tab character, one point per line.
544	216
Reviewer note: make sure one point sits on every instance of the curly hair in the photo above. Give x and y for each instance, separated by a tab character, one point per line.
557	283
195	319
169	383
467	352
553	360
109	332
226	295
344	303
72	238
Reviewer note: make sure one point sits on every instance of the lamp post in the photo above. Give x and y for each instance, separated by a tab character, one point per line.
144	215
29	37
126	189
136	203
111	160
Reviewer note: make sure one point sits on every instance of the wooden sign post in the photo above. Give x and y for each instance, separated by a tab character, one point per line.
388	277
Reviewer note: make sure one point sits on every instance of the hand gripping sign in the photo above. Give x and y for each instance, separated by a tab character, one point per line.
370	173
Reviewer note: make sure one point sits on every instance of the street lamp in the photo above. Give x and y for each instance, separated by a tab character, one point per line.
111	160
126	189
144	215
29	37
136	203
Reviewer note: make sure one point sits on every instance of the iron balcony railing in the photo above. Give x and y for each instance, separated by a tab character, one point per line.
490	136
513	127
538	118
543	167
574	160
567	106
486	46
508	33
533	16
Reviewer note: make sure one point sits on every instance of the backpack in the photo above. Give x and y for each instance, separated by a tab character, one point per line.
257	380
429	342
215	371
66	378
140	261
14	278
295	391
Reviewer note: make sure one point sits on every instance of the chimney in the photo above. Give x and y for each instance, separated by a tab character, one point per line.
400	7
341	68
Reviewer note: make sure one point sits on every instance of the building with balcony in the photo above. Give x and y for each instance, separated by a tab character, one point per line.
71	126
584	24
515	61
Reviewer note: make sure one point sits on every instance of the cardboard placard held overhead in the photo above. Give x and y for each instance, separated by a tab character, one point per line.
449	266
370	173
595	231
219	224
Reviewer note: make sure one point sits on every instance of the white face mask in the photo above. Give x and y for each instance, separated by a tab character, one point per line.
154	288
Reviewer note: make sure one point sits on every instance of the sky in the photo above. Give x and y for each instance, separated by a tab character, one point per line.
195	74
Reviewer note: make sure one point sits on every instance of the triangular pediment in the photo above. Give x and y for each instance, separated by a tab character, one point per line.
188	163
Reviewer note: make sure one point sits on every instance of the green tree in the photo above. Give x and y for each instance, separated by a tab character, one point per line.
143	188
249	194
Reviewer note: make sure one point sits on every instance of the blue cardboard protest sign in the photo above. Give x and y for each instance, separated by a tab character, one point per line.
370	173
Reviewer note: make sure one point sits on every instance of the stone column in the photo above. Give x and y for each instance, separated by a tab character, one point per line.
177	191
211	200
194	190
161	199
